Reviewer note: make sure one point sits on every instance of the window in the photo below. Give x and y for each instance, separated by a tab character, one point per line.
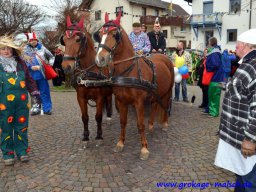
156	12
97	15
232	35
165	32
208	7
234	6
208	35
144	11
120	9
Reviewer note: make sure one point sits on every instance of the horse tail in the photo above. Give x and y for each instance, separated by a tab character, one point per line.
161	113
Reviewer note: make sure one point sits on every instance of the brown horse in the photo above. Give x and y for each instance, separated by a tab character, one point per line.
79	60
134	78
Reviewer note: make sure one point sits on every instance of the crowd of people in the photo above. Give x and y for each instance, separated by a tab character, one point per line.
24	74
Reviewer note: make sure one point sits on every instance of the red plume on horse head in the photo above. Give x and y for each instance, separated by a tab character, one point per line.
106	17
79	25
117	21
69	23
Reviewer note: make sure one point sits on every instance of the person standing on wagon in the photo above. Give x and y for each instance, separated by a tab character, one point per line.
38	55
157	39
15	82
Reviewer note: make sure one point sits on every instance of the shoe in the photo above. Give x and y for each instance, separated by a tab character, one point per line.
204	113
35	113
9	162
201	107
24	158
186	100
176	99
48	113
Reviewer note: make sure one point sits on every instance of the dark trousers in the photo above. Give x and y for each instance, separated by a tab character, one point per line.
205	95
246	183
183	84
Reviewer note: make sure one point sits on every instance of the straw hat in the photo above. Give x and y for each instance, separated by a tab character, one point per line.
8	41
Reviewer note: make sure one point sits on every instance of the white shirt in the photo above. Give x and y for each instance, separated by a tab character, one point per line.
231	158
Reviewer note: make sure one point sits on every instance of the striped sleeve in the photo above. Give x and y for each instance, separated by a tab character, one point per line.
250	131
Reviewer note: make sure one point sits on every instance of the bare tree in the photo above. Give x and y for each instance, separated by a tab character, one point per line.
17	16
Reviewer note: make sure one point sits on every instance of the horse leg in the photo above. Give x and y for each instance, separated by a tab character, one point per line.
98	118
123	111
152	116
139	105
166	102
109	107
85	118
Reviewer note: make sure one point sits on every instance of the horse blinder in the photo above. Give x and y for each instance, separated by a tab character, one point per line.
62	40
96	36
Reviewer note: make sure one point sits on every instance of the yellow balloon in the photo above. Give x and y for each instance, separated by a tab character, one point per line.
179	61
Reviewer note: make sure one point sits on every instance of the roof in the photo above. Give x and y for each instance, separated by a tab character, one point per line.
152	3
177	10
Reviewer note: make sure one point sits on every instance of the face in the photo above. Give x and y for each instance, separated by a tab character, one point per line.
143	29
103	56
240	47
205	52
33	43
6	52
136	30
180	46
72	48
157	28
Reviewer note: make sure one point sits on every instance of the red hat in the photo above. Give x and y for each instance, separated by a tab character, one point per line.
31	36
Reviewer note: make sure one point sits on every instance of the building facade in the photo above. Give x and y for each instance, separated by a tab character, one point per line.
174	23
225	20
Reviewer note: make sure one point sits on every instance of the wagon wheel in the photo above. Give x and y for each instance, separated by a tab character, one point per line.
91	103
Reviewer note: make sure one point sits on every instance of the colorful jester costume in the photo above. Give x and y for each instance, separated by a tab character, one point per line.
15	82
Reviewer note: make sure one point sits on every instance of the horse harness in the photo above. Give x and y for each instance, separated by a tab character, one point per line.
79	73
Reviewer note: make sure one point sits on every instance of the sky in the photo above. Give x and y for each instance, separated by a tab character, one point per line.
46	3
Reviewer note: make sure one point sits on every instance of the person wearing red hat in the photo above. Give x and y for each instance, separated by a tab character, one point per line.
36	54
237	145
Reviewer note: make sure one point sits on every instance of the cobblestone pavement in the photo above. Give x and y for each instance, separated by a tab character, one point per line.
60	162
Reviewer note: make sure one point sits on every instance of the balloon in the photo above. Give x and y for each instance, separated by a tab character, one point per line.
186	76
179	61
183	70
176	70
178	78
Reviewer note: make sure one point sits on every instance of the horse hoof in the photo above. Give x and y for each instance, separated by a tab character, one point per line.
118	149
150	128
144	154
99	143
85	144
108	118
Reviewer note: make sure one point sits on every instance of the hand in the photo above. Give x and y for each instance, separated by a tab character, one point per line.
153	51
248	148
160	50
35	68
140	52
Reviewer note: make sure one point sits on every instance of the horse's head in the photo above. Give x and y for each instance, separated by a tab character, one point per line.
75	41
108	37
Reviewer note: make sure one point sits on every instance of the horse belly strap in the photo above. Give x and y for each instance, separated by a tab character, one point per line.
133	83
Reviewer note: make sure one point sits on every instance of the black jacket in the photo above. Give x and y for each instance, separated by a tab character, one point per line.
157	44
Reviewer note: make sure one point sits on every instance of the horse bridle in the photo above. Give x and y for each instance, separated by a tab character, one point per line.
118	37
83	43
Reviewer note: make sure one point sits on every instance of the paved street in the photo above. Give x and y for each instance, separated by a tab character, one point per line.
60	162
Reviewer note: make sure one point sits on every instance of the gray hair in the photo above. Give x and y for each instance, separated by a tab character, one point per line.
251	46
